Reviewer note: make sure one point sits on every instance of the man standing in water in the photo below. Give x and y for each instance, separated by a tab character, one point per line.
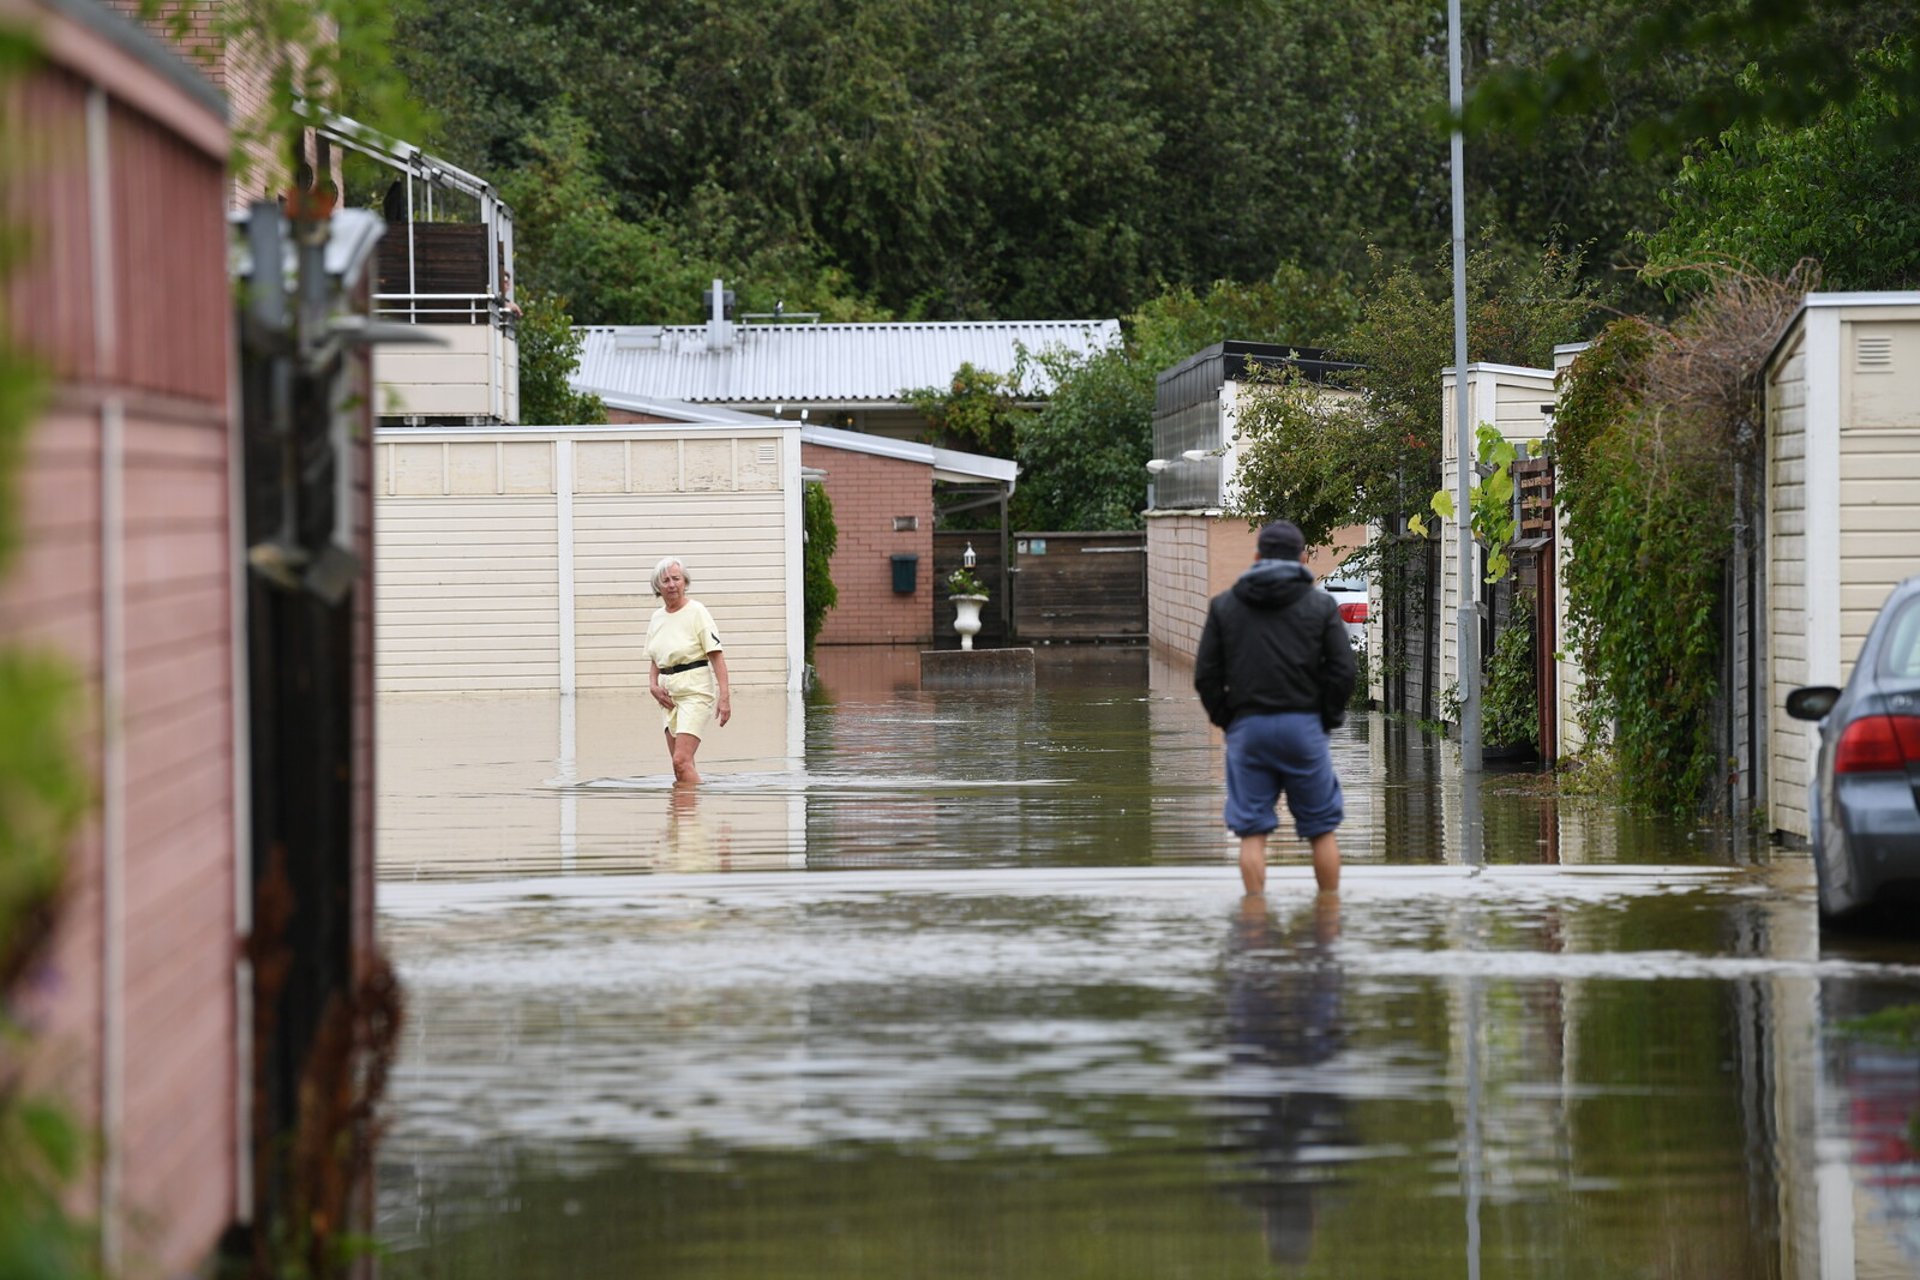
1275	670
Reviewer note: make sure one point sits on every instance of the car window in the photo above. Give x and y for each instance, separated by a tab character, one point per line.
1901	657
1341	584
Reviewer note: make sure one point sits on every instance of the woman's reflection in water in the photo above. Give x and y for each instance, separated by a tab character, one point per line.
1283	1022
691	845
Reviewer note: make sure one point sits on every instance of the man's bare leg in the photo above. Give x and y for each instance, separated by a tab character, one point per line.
1253	862
1326	862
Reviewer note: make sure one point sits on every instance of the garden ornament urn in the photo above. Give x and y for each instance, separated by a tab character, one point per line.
967	617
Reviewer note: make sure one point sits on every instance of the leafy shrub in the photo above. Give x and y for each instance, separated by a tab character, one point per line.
821	538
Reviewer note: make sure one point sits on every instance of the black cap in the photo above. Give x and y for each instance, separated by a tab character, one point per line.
1282	540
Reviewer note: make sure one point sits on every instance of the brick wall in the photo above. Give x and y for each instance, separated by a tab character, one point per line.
241	70
868	492
1178	587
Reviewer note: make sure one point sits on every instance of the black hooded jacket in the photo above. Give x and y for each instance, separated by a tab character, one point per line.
1274	642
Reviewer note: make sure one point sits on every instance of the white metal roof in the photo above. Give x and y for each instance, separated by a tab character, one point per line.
674	410
951	465
839	364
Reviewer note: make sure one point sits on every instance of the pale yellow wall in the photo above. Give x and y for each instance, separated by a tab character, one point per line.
474	374
1879	468
1789	741
473	534
729	542
466	592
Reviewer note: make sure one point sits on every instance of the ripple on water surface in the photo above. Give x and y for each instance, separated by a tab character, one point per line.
957	985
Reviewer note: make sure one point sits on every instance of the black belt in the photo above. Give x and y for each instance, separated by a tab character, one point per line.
685	666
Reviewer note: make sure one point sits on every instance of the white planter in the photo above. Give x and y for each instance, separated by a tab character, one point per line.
967	617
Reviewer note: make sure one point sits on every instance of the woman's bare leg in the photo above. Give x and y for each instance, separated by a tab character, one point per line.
684	745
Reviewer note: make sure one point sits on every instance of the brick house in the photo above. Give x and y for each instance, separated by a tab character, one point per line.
882	491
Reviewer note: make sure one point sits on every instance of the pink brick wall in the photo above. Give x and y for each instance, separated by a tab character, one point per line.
868	491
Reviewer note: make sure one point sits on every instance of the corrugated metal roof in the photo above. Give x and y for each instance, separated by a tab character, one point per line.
820	363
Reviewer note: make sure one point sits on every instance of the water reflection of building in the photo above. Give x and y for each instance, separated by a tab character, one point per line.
1283	1025
500	786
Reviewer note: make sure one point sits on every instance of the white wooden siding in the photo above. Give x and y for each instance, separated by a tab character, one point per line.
475	373
519	559
467	592
1879	470
731	546
1509	397
1787	755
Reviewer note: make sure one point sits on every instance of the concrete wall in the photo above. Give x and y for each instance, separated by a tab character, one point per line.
126	572
519	558
870	495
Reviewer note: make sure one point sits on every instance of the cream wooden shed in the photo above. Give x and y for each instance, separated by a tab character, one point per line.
1843	504
1511	397
519	558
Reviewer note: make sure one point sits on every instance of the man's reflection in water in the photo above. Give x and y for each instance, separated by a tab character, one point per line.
1283	1022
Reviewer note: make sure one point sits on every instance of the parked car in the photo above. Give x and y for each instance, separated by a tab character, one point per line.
1350	593
1863	806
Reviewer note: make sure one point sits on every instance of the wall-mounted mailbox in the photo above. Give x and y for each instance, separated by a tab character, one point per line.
906	572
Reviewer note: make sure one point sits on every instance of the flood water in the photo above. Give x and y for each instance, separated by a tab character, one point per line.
931	984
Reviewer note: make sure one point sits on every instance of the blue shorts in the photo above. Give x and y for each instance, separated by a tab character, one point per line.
1270	752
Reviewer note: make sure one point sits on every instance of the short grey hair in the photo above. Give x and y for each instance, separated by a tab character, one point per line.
661	568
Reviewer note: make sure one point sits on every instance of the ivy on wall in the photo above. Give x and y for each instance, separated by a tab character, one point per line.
822	538
1651	428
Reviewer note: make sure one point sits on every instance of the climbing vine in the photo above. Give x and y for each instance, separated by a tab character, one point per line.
1651	428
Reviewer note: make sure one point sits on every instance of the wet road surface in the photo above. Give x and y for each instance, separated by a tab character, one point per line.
962	984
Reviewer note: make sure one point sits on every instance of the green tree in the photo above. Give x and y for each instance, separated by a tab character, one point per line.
1520	304
573	240
1757	62
1839	190
1314	455
1291	306
1083	453
549	354
977	411
974	160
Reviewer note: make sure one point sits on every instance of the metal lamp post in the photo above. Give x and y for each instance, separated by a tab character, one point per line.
1467	625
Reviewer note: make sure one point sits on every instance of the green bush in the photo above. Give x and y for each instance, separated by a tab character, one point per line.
1511	706
822	537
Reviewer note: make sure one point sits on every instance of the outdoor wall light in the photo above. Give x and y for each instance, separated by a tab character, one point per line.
1194	455
968	558
1157	465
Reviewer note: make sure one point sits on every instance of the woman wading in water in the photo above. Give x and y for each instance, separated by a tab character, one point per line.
688	671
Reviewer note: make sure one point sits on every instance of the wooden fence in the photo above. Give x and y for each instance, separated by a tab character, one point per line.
1063	588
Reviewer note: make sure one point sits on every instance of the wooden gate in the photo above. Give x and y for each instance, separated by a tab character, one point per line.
1085	588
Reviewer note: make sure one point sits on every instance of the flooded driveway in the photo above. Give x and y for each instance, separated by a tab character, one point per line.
962	984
